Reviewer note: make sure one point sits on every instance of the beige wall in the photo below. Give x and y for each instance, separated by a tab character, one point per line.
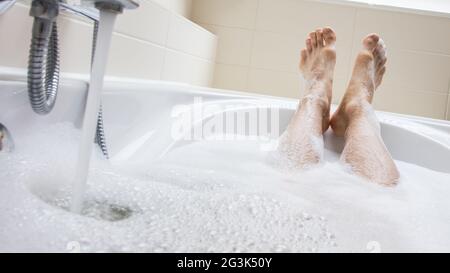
260	40
152	42
182	7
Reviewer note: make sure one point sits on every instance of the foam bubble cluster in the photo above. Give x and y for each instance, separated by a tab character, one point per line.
211	196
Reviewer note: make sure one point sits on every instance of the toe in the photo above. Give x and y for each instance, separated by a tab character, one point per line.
379	76
381	63
379	52
381	48
309	45
304	55
319	36
329	36
371	41
382	71
313	38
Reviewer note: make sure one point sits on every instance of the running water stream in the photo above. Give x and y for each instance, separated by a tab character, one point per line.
105	30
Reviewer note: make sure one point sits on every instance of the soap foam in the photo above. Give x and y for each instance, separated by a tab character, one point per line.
212	196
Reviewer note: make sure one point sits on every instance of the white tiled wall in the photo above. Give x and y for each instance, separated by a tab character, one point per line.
182	7
260	41
152	42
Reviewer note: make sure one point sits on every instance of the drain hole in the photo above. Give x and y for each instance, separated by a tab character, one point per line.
106	211
97	209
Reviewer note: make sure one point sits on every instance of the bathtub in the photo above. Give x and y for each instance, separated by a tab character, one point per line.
133	108
139	119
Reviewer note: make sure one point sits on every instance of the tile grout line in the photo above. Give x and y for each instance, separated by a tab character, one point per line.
447	108
252	46
250	29
168	48
349	69
169	22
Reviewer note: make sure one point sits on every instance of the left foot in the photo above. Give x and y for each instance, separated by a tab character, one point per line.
302	142
319	57
317	64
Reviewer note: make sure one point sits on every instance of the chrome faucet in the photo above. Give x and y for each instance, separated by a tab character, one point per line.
43	65
89	8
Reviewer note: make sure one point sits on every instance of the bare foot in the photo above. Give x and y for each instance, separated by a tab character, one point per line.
367	76
319	56
317	64
355	119
302	142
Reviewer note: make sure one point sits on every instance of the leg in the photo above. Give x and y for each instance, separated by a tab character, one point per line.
302	142
355	119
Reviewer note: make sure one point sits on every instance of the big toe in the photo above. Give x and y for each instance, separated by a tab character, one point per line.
329	36
371	41
380	50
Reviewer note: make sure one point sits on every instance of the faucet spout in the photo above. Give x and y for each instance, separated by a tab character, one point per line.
90	8
115	5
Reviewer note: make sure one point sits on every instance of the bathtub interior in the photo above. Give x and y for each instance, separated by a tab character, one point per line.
139	119
233	178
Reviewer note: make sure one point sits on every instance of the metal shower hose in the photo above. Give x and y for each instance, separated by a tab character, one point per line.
43	74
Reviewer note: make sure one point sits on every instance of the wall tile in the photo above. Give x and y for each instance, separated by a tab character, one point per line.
234	44
182	7
274	83
230	77
405	101
448	108
181	67
138	46
75	44
418	71
302	17
418	46
282	52
190	38
13	49
405	31
149	22
232	13
135	59
276	51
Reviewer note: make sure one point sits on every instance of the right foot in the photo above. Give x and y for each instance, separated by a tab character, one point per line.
367	76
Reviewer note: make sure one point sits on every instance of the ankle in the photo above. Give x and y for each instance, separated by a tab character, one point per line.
322	101
354	107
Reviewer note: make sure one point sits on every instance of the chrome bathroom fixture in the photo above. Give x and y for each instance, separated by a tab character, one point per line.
5	5
6	141
43	65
